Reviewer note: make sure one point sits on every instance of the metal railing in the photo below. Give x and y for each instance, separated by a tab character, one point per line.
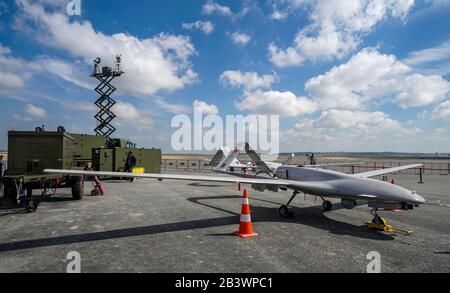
431	168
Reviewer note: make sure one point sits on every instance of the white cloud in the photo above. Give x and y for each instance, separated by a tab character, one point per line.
275	102
438	3
206	27
212	7
247	80
34	112
278	15
14	71
10	82
284	58
349	131
151	65
207	109
431	60
79	106
128	114
370	75
240	38
172	108
70	72
438	134
428	55
336	27
419	90
442	111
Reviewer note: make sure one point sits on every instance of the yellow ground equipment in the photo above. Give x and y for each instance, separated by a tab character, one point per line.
380	224
138	170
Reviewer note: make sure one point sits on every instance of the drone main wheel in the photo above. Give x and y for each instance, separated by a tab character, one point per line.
286	212
327	206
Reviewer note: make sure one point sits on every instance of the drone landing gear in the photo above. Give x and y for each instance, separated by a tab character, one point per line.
381	224
326	205
286	211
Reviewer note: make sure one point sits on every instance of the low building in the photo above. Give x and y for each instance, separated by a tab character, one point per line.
3	155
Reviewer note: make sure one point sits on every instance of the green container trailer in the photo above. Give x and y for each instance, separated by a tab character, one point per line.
29	153
114	159
83	145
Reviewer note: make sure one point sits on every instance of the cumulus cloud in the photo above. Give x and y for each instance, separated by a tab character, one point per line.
212	7
10	82
275	102
34	112
206	27
247	80
128	114
284	58
278	15
152	64
442	111
14	71
369	75
336	27
69	71
240	38
207	109
351	130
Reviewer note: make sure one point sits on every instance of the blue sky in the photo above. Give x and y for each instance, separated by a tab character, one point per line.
343	75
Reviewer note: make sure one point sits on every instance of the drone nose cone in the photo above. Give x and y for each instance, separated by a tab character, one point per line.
418	199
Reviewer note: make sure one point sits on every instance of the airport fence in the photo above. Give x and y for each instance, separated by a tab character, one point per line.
430	168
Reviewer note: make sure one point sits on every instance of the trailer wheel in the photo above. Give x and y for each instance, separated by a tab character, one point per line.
10	193
77	187
5	191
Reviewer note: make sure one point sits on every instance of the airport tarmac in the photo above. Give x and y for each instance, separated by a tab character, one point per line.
179	226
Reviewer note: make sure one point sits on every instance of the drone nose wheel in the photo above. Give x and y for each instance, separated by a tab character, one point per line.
286	212
327	206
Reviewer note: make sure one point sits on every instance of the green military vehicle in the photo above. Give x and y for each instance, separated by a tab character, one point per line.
29	153
93	151
83	145
113	159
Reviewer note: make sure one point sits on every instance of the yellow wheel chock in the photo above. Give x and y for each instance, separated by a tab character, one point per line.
381	224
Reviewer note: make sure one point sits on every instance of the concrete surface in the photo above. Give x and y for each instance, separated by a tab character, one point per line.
177	226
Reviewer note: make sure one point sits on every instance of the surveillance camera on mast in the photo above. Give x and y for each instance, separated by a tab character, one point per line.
118	70
96	70
105	89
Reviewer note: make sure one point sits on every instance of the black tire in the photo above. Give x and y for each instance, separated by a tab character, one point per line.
11	193
5	192
286	212
29	192
77	183
327	206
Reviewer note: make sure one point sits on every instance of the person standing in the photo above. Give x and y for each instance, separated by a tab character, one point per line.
130	163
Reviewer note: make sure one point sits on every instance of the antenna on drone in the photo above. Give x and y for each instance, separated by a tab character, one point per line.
105	89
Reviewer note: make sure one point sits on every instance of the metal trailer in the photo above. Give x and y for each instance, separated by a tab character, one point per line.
29	153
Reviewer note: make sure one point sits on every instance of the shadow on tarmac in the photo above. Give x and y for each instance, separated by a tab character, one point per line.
310	216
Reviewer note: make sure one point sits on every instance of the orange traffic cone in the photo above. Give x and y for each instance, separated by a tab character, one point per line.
245	225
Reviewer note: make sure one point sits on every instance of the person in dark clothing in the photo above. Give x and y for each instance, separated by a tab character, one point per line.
130	163
312	159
